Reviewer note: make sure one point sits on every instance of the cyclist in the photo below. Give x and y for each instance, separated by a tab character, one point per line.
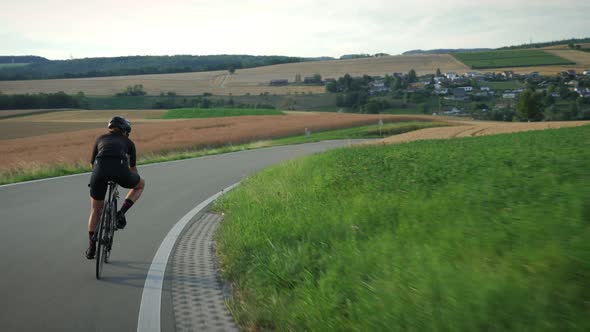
113	157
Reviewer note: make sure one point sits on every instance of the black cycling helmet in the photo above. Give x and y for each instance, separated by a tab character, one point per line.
120	122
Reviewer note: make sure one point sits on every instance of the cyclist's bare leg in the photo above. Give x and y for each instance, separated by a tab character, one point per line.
136	192
95	210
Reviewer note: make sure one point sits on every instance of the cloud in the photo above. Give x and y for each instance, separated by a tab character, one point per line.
297	27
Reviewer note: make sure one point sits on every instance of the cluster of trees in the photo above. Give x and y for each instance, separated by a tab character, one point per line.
136	90
534	105
572	42
537	106
41	100
203	102
353	92
137	65
362	55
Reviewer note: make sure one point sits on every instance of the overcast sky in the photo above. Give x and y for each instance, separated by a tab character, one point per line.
60	29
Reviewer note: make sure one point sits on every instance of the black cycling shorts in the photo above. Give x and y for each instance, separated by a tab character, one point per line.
115	169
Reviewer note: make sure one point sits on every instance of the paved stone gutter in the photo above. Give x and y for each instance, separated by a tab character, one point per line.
198	298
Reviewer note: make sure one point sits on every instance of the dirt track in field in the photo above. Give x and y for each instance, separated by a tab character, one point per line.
73	147
476	128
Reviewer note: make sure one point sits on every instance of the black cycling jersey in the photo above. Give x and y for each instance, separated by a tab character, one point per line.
113	145
112	156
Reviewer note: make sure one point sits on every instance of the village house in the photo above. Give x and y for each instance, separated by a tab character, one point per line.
509	74
279	82
442	91
452	76
311	80
472	74
378	86
453	111
533	75
509	95
572	85
583	92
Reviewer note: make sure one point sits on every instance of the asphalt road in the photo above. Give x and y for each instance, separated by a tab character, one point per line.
47	284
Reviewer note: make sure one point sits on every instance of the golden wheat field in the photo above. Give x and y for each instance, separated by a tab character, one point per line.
476	128
66	146
252	81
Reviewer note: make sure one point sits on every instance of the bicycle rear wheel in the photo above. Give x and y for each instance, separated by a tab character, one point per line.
100	242
110	231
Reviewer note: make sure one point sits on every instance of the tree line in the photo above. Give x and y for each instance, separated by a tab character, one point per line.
41	100
138	65
22	59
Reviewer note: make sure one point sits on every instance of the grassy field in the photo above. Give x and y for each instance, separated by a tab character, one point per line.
373	131
508	85
477	234
190	113
510	58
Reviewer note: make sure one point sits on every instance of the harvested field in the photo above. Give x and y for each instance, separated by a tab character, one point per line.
476	128
20	129
565	46
5	114
72	147
252	81
91	116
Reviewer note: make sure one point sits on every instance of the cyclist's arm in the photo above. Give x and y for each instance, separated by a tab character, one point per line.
133	169
132	156
94	153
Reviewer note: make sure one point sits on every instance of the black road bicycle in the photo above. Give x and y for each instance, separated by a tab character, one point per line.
105	229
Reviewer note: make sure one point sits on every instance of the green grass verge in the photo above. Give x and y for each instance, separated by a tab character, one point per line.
504	85
475	234
189	113
511	58
40	172
372	131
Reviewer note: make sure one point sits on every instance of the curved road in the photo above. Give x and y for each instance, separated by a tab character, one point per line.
47	284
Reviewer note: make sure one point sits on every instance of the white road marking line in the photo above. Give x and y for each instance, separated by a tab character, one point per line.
151	298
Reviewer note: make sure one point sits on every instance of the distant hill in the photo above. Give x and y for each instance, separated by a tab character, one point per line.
41	68
22	59
547	44
445	51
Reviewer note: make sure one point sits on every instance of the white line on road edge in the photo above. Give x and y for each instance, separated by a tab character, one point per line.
151	298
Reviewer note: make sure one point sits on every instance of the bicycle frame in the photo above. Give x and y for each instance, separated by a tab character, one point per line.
105	229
